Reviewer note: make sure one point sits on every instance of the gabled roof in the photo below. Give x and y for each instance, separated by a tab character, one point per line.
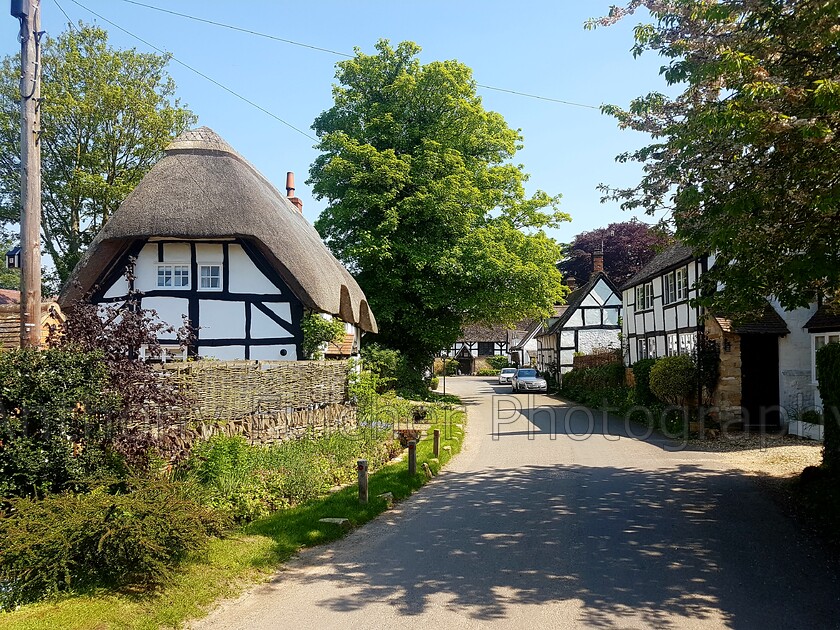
671	257
576	297
203	189
769	323
826	319
9	296
537	326
484	332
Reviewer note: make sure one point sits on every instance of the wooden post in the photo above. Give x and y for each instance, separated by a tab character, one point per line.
362	467
436	447
30	175
412	458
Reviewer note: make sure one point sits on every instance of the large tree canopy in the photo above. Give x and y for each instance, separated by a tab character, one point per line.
747	157
627	246
425	207
106	116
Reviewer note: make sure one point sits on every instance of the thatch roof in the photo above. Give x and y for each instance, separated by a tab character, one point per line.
203	189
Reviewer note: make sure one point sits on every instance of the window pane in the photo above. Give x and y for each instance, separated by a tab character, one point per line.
834	339
819	341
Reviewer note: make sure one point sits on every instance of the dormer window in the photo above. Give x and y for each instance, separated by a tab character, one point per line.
173	276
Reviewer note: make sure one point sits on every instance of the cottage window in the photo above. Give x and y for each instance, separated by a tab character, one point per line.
646	348
210	277
173	276
166	354
644	296
673	344
688	342
819	342
486	348
675	286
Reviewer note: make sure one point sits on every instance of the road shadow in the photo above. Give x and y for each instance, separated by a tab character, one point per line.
630	546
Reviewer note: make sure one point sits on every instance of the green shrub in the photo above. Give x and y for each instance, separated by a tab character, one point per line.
674	379
317	331
498	362
52	420
828	376
452	366
812	416
434	382
487	372
641	374
385	363
69	541
250	481
596	385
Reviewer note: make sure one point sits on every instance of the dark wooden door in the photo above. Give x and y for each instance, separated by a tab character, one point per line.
760	380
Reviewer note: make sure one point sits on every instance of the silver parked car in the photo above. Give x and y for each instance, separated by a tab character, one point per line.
528	380
506	375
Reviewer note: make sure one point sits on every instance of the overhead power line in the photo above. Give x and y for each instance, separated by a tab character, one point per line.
334	52
195	70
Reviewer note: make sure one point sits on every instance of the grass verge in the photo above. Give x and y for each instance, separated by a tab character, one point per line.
233	563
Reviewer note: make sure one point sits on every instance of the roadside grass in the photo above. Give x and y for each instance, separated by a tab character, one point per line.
252	555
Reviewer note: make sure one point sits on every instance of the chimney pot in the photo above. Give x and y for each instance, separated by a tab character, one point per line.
290	191
290	184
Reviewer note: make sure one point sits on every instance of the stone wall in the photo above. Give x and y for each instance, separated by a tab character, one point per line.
726	399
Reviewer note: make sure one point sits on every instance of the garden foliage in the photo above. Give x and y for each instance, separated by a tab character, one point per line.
641	374
674	379
498	362
71	541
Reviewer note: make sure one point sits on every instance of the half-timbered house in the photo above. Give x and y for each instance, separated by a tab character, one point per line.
207	237
766	364
589	321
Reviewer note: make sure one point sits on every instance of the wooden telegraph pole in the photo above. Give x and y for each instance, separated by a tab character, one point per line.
29	14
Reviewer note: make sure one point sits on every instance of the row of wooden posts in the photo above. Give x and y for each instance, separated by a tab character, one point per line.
362	465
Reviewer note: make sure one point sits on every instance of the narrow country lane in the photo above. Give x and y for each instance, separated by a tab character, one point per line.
538	527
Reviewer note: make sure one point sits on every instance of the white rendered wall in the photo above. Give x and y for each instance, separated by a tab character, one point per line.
797	392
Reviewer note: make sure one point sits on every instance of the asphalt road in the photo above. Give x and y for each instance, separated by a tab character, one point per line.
543	521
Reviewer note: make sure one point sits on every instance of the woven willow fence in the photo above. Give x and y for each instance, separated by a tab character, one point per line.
233	390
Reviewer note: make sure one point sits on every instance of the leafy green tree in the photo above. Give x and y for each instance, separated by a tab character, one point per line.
107	114
745	157
425	206
318	331
9	278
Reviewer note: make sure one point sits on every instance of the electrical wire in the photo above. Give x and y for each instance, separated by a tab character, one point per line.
336	52
196	71
67	17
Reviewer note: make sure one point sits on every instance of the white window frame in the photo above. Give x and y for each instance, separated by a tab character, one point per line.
687	343
673	344
169	353
172	266
644	296
681	280
200	280
826	338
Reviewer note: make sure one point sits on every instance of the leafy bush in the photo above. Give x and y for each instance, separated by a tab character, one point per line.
249	482
69	541
641	374
811	416
487	372
596	385
498	362
53	413
452	366
674	379
381	361
317	331
828	376
434	382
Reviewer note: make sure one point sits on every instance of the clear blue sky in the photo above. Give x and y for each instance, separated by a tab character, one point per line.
539	47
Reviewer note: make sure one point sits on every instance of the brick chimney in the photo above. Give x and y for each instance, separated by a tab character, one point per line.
598	260
290	191
571	283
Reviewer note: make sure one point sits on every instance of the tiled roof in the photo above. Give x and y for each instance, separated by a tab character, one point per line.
10	323
9	296
770	323
827	318
671	257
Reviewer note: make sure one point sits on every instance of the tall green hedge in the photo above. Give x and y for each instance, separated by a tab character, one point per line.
828	376
674	379
641	374
596	385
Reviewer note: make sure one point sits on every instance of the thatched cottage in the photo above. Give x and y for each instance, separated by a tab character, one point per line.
215	241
